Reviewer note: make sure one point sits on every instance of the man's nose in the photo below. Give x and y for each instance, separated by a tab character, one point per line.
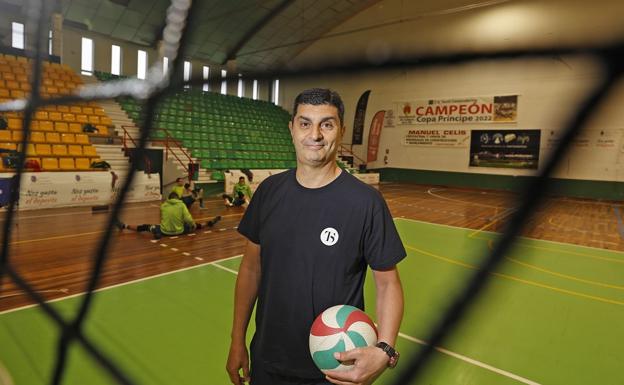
316	133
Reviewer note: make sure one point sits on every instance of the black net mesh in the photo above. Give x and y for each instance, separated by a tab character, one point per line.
157	85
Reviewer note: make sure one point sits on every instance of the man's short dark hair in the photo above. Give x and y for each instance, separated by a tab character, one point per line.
242	177
173	195
178	179
319	96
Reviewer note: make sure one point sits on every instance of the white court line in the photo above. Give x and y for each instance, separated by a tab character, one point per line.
473	361
123	284
519	236
460	357
85	212
215	264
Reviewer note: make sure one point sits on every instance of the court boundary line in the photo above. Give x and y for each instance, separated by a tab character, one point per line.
124	283
216	264
519	236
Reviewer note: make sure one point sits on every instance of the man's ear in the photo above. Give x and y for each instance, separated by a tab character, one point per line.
290	126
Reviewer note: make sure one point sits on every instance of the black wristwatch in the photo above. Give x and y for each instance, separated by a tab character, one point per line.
389	350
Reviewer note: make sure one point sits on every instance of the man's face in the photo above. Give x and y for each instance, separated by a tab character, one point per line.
241	182
180	182
317	133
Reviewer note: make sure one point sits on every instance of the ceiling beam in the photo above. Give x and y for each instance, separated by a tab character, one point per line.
231	54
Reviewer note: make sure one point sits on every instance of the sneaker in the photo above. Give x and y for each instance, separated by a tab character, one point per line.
214	221
120	225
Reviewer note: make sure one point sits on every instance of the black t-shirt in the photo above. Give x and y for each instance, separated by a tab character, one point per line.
315	247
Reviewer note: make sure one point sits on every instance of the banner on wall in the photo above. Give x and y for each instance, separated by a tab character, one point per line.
54	189
505	148
588	139
436	138
374	134
358	120
145	187
479	109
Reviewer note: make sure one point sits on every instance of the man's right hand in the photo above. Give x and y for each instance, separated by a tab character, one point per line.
238	359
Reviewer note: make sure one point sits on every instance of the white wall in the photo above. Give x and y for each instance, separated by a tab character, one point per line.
549	89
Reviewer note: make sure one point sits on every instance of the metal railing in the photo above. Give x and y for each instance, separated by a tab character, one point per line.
124	142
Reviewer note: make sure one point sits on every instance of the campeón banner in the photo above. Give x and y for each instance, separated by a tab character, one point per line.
469	110
358	120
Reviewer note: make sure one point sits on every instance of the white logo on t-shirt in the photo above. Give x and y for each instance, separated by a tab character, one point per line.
329	236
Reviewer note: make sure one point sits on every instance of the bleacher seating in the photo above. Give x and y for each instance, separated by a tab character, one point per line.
223	131
57	140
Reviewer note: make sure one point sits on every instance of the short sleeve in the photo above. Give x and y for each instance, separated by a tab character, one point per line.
249	226
383	248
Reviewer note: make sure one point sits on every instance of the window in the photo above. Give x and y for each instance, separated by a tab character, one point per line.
165	65
50	43
116	60
276	91
223	82
141	64
206	73
18	35
254	91
241	86
86	64
187	72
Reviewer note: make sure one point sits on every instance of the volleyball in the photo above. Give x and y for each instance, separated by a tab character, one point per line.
338	329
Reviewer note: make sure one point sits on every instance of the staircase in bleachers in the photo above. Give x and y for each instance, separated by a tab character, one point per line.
224	132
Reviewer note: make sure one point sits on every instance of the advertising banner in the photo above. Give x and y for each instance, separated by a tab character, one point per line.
59	189
505	148
479	109
374	135
436	138
358	121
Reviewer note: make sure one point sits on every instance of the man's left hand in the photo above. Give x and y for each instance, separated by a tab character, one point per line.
368	364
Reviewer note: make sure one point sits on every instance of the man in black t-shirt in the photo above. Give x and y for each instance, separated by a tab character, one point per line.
312	233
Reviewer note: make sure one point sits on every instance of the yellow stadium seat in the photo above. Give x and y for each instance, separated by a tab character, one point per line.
34	125
12	84
52	90
75	127
69	117
16	94
53	137
55	116
89	151
68	138
94	119
41	115
30	149
59	149
48	82
66	163
2	83
87	110
82	139
83	163
74	149
5	136
75	109
8	76
61	126
46	125
62	108
64	91
21	77
15	123
5	68
5	93
43	149
37	137
25	87
49	163
59	83
22	59
49	108
82	118
99	111
102	130
106	120
8	146
17	135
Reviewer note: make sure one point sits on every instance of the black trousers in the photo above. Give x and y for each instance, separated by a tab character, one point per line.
259	376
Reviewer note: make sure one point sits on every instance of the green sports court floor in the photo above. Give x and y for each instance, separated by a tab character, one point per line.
553	314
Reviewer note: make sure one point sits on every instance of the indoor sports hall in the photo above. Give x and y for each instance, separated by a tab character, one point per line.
493	129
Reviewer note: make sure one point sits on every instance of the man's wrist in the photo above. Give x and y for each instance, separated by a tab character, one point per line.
393	355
